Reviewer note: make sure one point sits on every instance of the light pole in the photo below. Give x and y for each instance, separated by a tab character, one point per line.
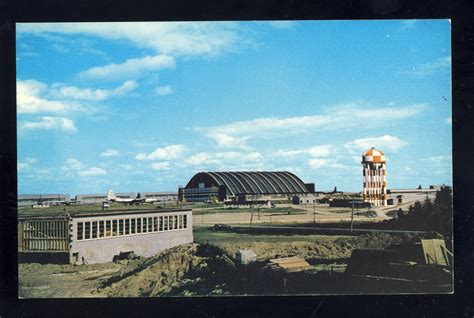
352	214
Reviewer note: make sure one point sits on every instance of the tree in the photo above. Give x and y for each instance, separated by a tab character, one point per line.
444	211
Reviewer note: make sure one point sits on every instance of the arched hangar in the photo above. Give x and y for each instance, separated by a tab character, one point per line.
243	186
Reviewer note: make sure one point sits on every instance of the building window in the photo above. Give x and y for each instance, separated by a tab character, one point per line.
166	222
185	221
139	225
161	223
127	226
175	223
101	228
144	225
180	221
94	229
155	224
114	228
132	226
87	230
150	224
108	228
80	228
121	227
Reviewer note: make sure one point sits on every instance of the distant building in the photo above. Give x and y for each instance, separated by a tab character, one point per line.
33	199
243	186
97	237
160	196
410	195
374	174
99	198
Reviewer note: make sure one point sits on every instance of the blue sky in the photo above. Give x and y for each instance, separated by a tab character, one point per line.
143	106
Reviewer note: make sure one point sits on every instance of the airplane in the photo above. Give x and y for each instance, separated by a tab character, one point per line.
113	198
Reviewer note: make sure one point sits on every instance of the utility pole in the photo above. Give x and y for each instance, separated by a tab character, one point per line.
251	217
352	214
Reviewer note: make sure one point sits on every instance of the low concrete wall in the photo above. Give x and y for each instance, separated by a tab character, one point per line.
101	250
147	244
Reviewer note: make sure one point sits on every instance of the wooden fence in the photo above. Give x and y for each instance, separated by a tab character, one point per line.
44	235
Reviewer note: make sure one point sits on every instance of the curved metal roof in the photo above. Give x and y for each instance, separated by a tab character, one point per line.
245	183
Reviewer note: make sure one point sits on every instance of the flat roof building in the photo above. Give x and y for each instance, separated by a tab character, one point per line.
32	199
97	237
160	196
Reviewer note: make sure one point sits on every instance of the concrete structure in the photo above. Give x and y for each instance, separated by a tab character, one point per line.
98	237
374	177
243	186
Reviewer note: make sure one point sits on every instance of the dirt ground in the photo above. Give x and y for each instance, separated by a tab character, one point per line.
206	267
62	281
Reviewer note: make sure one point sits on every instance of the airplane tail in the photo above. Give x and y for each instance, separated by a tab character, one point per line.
111	195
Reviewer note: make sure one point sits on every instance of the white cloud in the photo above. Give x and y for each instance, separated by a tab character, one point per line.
320	151
439	160
440	165
92	94
44	171
49	123
92	172
81	169
165	153
171	38
315	151
74	164
131	68
430	68
342	117
160	165
225	140
29	100
448	120
230	158
35	97
384	142
289	153
110	153
317	162
164	90
126	167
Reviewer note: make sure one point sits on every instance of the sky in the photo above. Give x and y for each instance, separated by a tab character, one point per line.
144	106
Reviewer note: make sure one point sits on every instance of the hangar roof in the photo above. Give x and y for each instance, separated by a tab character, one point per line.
241	183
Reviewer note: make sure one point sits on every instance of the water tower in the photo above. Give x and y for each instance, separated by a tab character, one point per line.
374	177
